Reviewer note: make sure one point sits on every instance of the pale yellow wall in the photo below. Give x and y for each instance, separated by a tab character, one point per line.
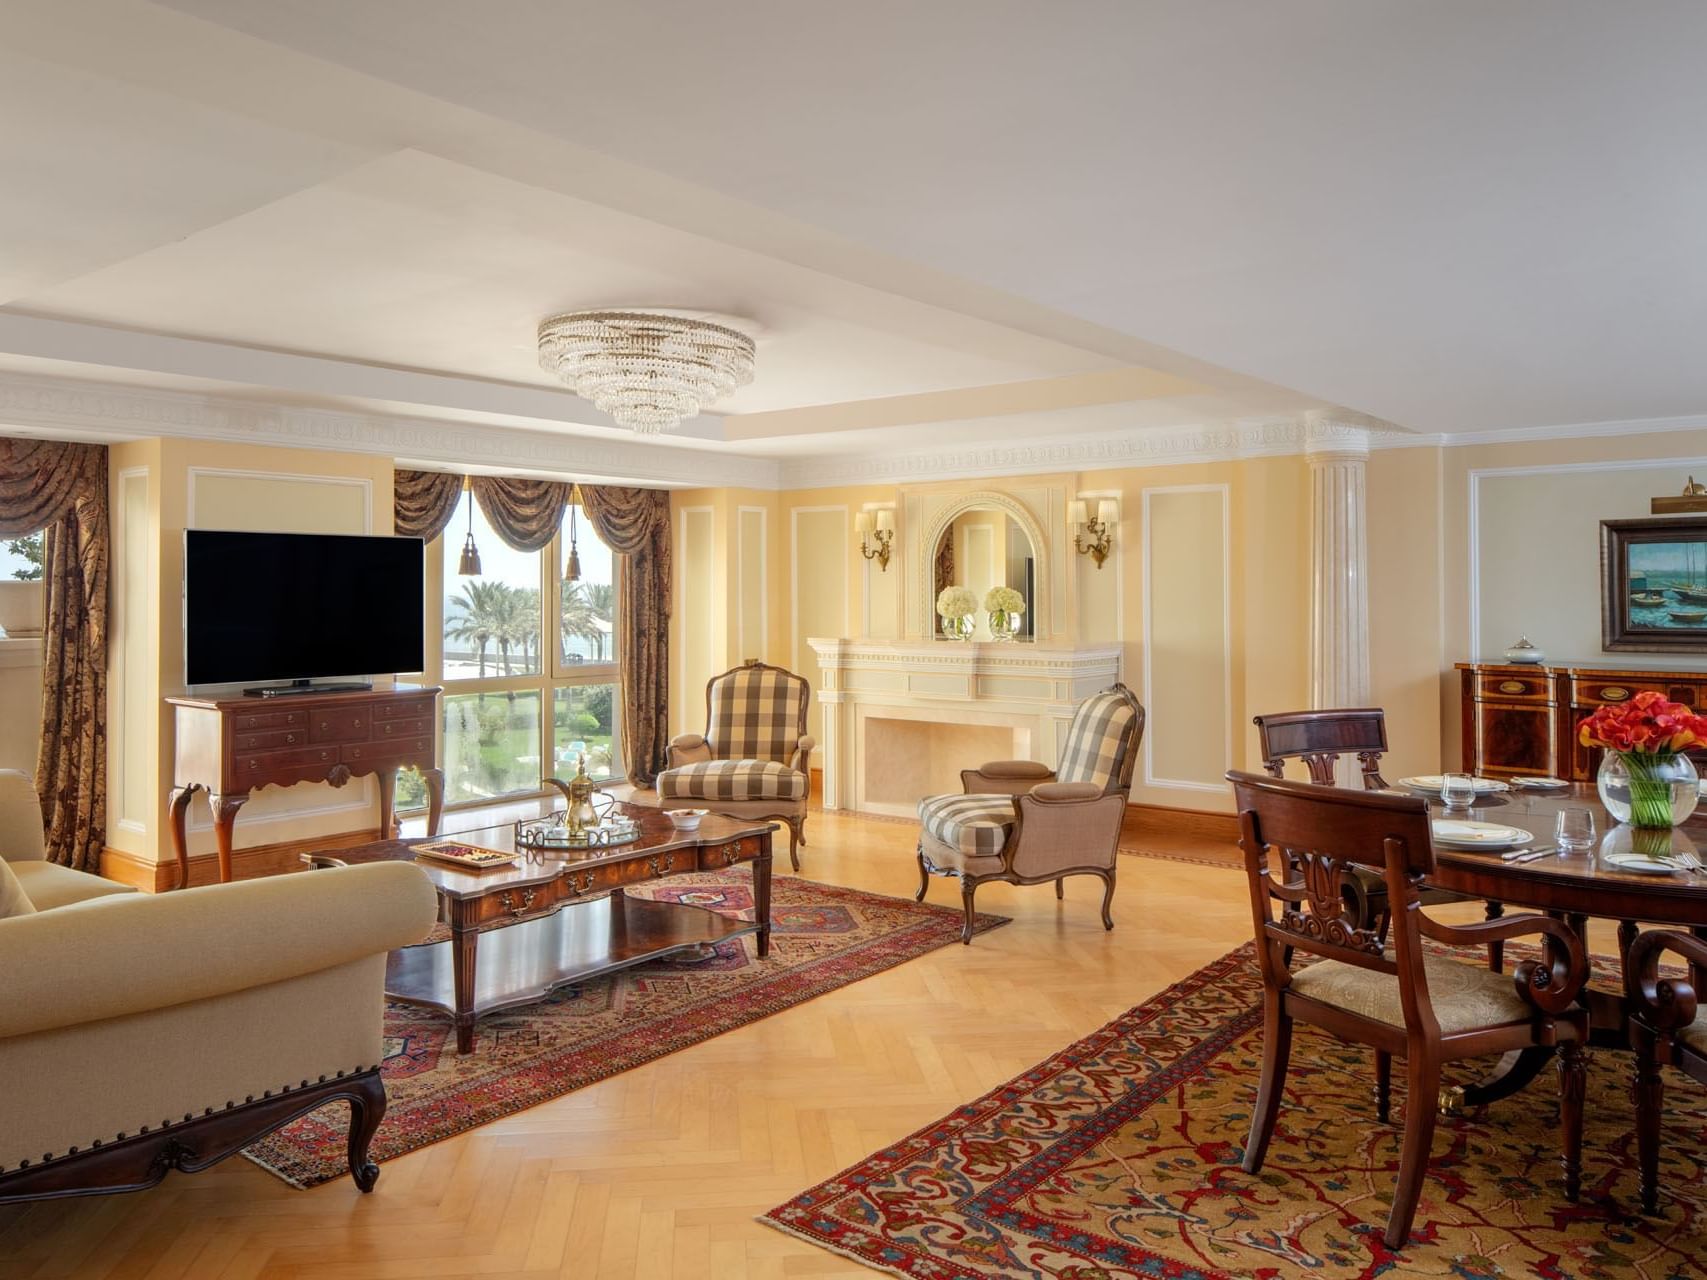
160	488
1405	638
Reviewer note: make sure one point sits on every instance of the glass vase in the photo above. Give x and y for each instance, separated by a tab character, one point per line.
1003	625
957	628
1648	790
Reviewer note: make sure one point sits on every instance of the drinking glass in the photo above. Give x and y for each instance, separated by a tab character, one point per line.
1575	829
1458	791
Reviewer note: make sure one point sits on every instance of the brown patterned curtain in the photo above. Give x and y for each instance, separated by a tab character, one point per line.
525	513
635	523
62	488
424	502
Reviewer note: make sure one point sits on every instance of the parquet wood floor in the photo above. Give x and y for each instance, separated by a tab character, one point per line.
658	1172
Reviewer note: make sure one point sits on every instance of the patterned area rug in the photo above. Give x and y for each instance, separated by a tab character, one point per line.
1120	1157
822	937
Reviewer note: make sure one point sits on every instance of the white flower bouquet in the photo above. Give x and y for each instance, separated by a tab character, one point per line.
1004	600
956	603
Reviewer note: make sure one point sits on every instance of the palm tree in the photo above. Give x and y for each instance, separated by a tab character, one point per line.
588	609
523	622
479	616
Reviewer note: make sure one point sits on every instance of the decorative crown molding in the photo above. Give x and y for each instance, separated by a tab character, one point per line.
68	407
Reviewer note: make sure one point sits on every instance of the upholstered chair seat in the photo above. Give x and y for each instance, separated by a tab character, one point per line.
753	759
1023	822
1464	995
23	845
733	780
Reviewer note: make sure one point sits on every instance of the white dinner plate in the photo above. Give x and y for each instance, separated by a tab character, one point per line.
1540	784
1430	784
1642	865
1458	834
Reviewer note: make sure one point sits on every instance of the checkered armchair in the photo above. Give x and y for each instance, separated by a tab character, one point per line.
1025	823
752	760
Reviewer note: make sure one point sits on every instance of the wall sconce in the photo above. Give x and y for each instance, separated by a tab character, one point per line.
1101	529
876	525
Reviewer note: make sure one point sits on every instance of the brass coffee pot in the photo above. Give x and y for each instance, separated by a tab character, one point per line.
582	815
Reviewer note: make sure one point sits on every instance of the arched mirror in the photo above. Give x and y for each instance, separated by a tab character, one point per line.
981	546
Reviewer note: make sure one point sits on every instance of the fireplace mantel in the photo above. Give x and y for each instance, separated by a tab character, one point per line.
881	699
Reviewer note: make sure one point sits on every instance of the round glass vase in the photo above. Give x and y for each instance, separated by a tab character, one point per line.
958	628
1003	625
1648	790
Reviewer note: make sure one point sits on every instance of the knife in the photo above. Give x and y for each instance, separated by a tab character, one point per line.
1530	855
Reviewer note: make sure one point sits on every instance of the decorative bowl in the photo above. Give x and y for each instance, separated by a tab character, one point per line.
686	819
1525	654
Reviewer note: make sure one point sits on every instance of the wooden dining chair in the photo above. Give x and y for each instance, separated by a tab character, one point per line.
1664	1031
1427	1009
1318	739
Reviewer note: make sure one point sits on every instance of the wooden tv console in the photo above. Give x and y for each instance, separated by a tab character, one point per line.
231	747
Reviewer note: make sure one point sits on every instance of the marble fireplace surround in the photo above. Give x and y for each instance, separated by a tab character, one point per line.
903	717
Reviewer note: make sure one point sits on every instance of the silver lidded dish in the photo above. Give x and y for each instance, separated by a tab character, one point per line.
1525	654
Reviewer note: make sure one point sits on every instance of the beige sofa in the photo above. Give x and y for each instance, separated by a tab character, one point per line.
141	1033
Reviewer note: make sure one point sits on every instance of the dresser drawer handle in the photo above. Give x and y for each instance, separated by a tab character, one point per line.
1512	686
1614	693
254	764
290	737
325	755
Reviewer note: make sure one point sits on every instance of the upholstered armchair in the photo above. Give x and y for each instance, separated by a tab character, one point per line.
754	757
1024	823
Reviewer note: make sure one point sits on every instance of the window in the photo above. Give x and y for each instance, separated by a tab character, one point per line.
527	660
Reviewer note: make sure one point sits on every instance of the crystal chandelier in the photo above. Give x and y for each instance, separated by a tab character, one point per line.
647	370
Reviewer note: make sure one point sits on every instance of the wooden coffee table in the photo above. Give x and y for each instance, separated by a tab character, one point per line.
518	932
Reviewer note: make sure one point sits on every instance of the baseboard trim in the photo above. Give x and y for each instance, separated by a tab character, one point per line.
1156	820
246	864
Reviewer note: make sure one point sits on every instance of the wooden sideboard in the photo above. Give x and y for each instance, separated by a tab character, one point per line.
1523	719
231	747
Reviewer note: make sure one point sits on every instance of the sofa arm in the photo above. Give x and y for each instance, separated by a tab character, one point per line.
21	838
1066	832
154	951
686	748
802	761
1005	777
1064	792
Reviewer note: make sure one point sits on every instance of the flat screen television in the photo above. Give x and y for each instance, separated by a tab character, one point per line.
300	606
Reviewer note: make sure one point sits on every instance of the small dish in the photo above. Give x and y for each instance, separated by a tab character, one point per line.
1540	784
1454	834
1642	865
686	819
1429	784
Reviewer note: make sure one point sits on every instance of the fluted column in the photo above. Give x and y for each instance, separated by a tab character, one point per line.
1339	565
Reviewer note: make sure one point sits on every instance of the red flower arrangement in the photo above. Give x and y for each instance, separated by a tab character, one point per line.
1648	725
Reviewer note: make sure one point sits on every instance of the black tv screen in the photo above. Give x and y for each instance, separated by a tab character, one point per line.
300	606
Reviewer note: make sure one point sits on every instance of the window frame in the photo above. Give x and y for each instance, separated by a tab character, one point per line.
555	674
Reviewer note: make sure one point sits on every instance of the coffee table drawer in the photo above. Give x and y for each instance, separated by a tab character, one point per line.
715	857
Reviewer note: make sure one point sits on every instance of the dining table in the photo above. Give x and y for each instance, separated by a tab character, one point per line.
1577	885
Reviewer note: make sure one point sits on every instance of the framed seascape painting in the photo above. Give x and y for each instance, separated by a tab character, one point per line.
1653	584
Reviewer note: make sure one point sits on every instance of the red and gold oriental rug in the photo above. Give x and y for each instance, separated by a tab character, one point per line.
1119	1157
822	937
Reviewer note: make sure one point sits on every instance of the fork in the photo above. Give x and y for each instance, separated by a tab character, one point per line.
1692	861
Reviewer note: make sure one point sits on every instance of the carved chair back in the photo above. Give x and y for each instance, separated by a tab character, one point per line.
755	712
1319	738
1101	743
1299	839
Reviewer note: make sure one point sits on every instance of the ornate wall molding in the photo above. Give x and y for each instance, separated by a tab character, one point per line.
111	411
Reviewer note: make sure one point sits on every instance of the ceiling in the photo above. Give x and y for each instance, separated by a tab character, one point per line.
968	220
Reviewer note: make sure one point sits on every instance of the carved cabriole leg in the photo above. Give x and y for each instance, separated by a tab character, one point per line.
1422	1096
435	780
177	806
1276	1053
367	1109
1573	1085
1648	1090
968	887
225	809
1496	950
1383	1085
1107	897
794	842
924	877
387	803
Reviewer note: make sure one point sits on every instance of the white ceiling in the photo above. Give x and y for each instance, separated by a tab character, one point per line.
1452	216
